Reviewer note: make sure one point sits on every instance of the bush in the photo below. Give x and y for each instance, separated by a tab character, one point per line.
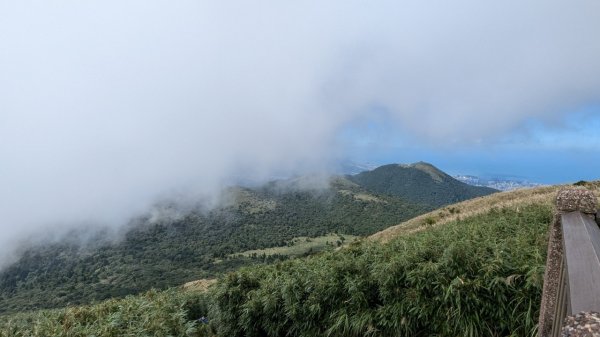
481	276
169	313
476	277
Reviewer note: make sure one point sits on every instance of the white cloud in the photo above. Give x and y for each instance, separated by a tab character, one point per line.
106	105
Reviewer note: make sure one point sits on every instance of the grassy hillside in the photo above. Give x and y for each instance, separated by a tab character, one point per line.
168	313
170	252
480	276
515	199
420	182
476	270
303	246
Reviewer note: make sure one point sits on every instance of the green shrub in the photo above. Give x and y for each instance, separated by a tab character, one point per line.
480	276
169	313
477	277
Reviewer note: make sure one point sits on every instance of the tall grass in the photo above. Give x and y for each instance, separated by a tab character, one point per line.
477	277
466	209
480	276
168	313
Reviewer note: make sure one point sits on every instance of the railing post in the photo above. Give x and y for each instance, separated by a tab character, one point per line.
572	278
573	200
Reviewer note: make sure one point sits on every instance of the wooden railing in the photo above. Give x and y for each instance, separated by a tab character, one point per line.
572	281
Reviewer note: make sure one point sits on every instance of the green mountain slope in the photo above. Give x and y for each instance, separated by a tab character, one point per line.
419	182
479	275
202	244
198	245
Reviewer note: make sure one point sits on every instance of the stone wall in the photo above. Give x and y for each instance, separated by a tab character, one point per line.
551	279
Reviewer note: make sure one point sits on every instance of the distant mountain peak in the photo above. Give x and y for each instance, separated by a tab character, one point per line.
420	181
435	173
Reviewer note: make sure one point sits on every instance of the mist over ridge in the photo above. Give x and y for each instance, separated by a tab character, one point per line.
107	107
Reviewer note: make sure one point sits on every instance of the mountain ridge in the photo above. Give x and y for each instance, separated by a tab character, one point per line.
426	265
160	252
411	181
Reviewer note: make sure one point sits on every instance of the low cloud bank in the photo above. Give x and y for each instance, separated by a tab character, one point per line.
108	106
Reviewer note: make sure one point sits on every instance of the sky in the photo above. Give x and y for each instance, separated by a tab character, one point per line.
566	150
108	106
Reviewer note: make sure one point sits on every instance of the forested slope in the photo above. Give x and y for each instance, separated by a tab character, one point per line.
167	251
480	275
170	252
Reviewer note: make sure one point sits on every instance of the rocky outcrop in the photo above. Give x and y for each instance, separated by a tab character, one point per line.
584	324
571	200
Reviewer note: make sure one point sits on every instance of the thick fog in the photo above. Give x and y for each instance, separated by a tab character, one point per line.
108	106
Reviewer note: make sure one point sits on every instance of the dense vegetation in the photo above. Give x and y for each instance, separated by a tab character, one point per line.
480	276
420	182
168	313
170	252
477	277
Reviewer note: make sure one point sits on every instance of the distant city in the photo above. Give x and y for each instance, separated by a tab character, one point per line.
502	184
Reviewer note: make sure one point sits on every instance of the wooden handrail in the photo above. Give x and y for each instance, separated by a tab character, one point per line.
572	280
581	239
